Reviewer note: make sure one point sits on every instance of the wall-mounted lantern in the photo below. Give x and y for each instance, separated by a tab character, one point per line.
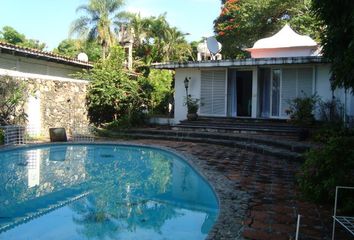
186	85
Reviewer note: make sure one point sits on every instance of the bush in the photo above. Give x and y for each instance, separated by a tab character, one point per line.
332	125
162	93
13	96
331	111
192	104
2	136
327	167
113	95
301	110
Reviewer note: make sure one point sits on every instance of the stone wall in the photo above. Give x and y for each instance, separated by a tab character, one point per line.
60	103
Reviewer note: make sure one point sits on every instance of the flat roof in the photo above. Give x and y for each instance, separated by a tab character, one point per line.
241	62
38	54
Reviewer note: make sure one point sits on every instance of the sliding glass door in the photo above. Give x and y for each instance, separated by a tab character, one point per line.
275	98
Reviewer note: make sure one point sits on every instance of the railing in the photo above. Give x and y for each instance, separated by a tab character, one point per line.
82	133
14	134
18	135
347	222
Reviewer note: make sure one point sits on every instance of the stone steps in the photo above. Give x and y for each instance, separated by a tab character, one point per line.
232	125
261	144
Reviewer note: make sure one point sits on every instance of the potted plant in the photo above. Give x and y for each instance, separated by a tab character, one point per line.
301	114
192	107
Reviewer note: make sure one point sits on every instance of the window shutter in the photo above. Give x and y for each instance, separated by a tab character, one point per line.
213	96
304	82
288	89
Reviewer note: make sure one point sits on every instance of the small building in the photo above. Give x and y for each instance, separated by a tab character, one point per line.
282	67
59	98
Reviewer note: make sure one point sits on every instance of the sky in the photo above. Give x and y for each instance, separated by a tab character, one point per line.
49	20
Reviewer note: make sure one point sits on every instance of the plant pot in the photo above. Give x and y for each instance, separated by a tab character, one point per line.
303	134
192	116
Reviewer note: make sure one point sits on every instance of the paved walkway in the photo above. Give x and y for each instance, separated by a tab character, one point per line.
272	201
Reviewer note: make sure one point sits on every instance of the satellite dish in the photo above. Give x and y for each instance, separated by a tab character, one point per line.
82	57
213	45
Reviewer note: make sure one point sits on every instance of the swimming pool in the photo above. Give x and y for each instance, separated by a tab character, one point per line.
102	191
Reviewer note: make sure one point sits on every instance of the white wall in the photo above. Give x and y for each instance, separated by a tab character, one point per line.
282	52
30	65
180	91
33	111
322	83
323	89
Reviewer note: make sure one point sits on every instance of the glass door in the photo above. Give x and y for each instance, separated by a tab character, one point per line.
275	91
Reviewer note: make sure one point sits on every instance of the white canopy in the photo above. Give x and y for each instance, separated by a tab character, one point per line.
285	38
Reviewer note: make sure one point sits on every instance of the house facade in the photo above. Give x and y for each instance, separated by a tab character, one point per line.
281	68
58	99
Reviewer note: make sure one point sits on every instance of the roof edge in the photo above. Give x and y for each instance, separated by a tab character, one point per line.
38	54
241	62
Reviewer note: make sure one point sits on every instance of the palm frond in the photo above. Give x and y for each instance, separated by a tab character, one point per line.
80	26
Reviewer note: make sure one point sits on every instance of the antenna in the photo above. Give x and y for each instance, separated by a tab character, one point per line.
82	57
214	46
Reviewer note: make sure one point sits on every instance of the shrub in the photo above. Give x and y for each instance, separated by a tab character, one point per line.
301	110
162	92
192	104
332	125
327	167
112	93
331	111
2	137
13	96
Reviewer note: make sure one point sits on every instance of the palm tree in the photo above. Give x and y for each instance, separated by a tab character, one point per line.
134	24
98	22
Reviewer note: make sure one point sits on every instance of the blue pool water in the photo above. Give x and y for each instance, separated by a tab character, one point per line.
102	192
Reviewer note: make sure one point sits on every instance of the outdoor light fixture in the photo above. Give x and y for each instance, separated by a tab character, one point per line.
186	84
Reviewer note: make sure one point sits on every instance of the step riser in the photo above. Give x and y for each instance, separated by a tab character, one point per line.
196	134
226	130
246	146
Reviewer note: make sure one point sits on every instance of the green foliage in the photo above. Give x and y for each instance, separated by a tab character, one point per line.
328	167
97	23
192	104
337	38
331	111
331	115
155	40
10	35
301	110
72	47
13	96
243	22
112	94
162	93
2	136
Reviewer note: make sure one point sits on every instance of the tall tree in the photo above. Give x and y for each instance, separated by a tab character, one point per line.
243	22
10	35
72	47
338	38
155	40
97	24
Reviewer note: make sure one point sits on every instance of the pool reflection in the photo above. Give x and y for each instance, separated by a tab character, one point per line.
107	192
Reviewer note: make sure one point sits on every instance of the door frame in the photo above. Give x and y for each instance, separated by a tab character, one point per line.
233	112
271	92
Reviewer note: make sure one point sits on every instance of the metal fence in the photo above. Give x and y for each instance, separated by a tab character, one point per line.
18	135
82	133
14	134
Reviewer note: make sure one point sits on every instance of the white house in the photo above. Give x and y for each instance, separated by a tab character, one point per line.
281	68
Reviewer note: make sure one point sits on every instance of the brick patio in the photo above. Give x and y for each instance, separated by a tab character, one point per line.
273	203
